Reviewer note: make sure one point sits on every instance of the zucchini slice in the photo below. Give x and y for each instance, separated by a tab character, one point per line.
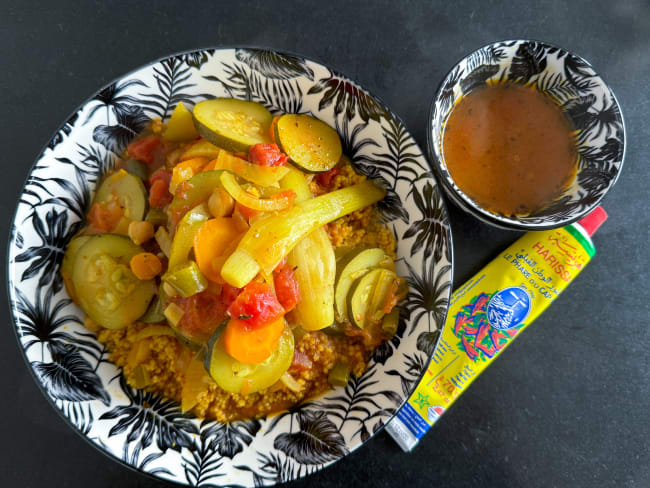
354	265
234	125
237	377
312	145
105	287
360	296
129	191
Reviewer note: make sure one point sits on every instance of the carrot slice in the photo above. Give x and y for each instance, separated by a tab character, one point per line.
252	346
212	241
145	266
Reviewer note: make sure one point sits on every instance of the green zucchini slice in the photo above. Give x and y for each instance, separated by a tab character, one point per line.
234	125
355	264
312	145
105	287
237	377
129	191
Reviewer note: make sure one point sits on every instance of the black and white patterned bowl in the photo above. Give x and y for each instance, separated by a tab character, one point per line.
585	97
150	433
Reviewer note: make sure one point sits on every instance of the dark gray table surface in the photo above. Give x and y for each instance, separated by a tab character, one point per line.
567	405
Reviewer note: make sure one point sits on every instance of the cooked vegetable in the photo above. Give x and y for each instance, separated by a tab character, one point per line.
256	305
194	191
286	287
156	217
185	170
355	264
105	287
232	124
141	377
164	241
139	353
280	201
180	126
140	231
186	279
267	155
159	195
143	149
154	313
184	238
136	168
203	149
252	345
390	323
339	375
359	297
154	331
213	241
196	380
68	262
107	217
315	270
260	175
290	382
145	266
295	180
237	377
384	284
312	145
173	313
271	238
129	192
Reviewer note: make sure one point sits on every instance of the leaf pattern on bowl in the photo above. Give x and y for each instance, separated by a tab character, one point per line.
150	433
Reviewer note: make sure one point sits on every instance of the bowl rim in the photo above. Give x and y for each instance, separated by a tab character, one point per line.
13	229
463	201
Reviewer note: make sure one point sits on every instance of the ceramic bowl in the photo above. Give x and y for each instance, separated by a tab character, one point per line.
150	433
582	94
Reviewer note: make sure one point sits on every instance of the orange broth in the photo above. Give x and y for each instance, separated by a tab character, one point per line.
510	148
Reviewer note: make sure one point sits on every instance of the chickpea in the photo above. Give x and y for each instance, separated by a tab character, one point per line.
220	204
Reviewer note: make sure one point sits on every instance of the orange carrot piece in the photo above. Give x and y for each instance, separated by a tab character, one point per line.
252	346
214	239
145	266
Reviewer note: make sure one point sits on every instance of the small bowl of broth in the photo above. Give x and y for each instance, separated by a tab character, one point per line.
525	135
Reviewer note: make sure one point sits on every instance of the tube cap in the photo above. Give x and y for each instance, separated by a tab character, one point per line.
593	220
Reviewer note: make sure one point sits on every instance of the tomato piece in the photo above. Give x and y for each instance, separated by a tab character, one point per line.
159	195
267	155
286	288
202	314
325	179
252	346
143	149
229	294
162	174
256	305
103	217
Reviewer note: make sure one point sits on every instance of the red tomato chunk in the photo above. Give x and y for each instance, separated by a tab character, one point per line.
286	288
256	305
143	149
267	155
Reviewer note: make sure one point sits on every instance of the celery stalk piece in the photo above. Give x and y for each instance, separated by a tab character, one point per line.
270	239
186	279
